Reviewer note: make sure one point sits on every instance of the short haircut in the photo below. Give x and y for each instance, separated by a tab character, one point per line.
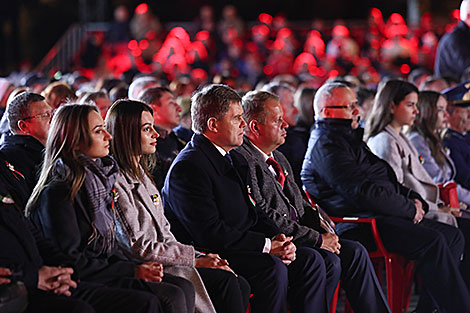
139	84
152	95
254	105
92	96
324	94
276	88
211	101
19	108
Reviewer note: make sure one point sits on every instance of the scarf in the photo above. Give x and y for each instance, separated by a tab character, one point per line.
100	176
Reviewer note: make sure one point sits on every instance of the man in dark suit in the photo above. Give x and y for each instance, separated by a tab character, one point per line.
210	205
282	200
346	178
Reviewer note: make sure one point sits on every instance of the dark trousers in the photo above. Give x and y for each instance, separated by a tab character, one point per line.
438	249
175	294
277	288
464	226
228	293
94	298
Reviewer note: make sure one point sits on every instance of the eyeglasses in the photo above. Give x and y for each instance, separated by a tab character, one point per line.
350	106
47	115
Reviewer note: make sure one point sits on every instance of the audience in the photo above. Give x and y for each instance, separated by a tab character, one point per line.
346	179
209	203
72	206
144	230
281	199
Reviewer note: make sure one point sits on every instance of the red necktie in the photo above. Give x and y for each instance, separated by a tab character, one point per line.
280	176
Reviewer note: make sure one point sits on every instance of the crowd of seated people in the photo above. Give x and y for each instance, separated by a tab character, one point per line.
156	192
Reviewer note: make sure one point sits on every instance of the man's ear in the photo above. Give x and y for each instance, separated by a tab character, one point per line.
253	127
212	124
22	126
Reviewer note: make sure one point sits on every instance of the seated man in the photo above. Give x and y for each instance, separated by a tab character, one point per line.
279	196
29	117
455	139
166	113
346	179
209	204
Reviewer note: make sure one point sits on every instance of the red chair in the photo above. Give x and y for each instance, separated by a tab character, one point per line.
448	194
399	271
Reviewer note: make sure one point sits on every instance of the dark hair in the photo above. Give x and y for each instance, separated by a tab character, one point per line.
211	101
69	130
425	124
152	95
19	108
363	94
123	122
391	93
253	105
303	100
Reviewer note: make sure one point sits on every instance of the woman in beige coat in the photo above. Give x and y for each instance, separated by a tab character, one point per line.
395	107
143	230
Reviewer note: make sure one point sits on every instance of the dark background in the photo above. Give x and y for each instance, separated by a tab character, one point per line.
29	28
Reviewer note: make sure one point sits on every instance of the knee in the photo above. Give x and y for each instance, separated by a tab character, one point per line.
332	264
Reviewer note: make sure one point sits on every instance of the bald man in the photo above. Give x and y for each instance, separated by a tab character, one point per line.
453	52
347	179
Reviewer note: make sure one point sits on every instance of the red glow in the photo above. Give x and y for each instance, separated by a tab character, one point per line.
150	35
376	13
405	69
396	18
456	14
142	8
262	30
268	69
265	18
333	73
136	52
340	31
199	74
284	33
132	44
143	44
203	35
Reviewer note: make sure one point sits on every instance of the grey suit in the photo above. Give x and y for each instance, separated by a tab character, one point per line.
357	274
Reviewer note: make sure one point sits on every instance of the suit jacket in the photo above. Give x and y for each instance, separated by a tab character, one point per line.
145	233
278	202
208	202
400	153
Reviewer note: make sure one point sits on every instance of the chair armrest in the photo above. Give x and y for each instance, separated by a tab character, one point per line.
364	220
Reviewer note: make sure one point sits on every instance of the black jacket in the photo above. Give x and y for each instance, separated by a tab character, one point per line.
26	154
347	179
68	225
207	201
453	52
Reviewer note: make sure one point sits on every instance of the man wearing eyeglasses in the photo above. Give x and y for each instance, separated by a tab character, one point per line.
347	179
29	117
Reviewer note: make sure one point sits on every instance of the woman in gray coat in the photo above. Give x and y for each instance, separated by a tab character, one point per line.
144	232
424	134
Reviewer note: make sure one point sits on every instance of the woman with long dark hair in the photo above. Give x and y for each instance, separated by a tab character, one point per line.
425	135
145	232
73	205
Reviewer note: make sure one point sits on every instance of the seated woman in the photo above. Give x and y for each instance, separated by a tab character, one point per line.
424	134
144	230
72	204
395	106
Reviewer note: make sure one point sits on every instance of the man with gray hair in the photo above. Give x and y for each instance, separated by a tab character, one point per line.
346	179
29	117
208	200
280	197
453	52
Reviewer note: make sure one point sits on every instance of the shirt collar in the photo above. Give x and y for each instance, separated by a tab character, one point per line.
264	155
